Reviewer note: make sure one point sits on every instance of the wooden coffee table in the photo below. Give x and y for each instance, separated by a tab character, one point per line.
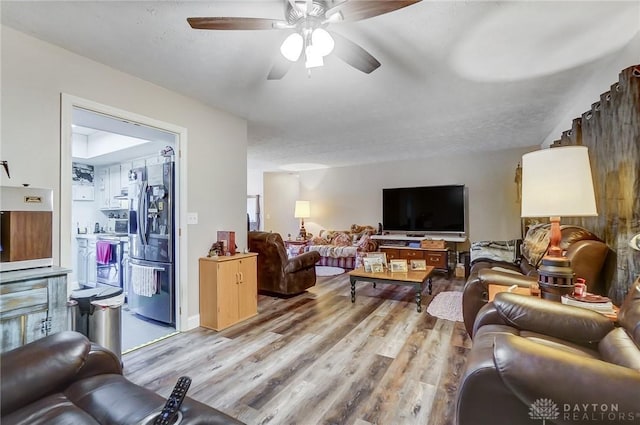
415	278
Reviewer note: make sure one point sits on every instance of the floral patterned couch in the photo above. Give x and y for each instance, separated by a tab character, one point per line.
343	248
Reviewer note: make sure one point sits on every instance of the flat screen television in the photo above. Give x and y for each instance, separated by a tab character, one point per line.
426	209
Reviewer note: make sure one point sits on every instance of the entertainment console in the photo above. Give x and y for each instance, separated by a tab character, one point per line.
401	246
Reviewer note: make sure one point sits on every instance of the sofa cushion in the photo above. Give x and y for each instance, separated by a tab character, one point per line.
31	372
50	410
617	347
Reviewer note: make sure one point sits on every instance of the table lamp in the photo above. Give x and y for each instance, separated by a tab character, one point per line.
302	211
557	182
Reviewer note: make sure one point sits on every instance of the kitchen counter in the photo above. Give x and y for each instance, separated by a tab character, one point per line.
28	274
121	236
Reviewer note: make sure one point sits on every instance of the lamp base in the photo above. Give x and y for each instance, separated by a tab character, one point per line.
555	277
303	234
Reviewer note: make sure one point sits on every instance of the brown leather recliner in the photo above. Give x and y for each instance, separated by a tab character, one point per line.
585	250
63	378
539	359
277	273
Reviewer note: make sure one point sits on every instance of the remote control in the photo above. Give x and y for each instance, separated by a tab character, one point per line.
172	406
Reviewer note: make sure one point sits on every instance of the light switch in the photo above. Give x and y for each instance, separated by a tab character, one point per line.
192	218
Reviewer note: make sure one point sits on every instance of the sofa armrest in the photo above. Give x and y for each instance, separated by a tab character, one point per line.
533	371
497	277
475	294
569	323
100	360
40	368
302	261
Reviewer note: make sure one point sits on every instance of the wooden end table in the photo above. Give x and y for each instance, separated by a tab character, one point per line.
415	278
495	289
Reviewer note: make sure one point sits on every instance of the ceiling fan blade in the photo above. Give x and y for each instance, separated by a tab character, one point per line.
354	55
280	68
230	23
356	10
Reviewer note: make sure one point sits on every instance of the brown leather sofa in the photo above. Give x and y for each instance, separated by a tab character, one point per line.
539	359
585	250
65	379
278	274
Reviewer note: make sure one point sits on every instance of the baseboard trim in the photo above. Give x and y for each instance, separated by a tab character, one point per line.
193	322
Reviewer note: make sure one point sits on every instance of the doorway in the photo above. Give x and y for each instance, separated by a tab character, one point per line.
102	148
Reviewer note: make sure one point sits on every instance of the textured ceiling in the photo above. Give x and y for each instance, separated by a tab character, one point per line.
456	77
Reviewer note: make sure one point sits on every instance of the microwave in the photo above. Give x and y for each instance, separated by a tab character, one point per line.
118	225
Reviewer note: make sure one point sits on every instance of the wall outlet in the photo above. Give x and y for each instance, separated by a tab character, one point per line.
192	218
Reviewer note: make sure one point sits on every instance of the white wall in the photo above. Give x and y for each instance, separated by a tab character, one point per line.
347	195
281	190
35	73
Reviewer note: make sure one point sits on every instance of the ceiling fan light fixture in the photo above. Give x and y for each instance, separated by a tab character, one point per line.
322	41
291	47
313	56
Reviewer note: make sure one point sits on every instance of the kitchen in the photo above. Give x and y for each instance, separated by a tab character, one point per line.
123	198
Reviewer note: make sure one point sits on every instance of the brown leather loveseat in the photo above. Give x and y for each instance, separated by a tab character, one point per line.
536	359
585	250
277	273
65	379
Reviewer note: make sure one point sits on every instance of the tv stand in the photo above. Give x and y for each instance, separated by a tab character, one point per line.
408	247
414	236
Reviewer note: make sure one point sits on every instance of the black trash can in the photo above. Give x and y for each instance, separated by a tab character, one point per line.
99	316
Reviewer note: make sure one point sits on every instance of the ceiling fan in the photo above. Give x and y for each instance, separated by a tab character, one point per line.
309	20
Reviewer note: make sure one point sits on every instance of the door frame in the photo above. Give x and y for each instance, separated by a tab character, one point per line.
67	103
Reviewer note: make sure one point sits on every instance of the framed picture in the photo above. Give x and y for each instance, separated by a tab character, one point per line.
369	262
381	255
377	268
418	265
398	266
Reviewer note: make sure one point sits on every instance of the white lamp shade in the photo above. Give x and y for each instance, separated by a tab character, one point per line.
303	209
322	41
557	182
292	47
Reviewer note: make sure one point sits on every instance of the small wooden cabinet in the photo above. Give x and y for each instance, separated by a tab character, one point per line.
228	290
33	304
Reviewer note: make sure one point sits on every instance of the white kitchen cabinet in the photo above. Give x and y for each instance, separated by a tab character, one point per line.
102	188
92	266
108	186
82	193
114	187
87	266
125	167
82	261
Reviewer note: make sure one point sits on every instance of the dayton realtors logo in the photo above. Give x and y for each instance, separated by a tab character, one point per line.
547	409
544	408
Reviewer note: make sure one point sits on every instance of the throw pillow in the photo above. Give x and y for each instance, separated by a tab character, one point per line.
319	241
341	239
366	244
535	244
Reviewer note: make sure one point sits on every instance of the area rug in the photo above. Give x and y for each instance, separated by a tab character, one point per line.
447	305
328	271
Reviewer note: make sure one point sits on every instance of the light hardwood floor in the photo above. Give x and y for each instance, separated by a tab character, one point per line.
319	359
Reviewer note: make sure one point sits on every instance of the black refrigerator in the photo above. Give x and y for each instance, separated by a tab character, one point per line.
151	289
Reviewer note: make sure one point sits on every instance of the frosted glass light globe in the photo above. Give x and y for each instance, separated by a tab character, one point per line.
322	41
292	47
